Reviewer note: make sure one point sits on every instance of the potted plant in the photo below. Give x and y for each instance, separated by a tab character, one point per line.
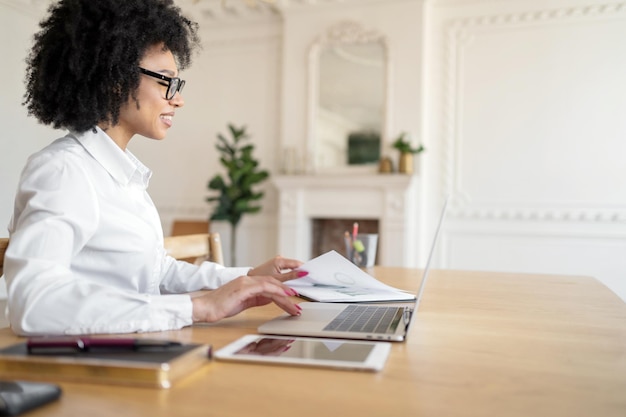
403	145
236	195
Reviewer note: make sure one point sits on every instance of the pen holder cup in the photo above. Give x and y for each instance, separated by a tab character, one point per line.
362	250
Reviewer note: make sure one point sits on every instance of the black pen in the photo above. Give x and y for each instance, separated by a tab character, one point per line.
50	345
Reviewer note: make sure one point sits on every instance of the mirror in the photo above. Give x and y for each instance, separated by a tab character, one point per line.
348	99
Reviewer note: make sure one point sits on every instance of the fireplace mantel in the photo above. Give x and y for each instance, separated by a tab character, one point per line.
388	198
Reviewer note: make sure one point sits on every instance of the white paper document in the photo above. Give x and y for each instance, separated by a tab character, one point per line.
333	278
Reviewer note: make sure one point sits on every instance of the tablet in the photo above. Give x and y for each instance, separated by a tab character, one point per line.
305	351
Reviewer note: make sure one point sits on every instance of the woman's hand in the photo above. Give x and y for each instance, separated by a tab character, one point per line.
276	267
241	294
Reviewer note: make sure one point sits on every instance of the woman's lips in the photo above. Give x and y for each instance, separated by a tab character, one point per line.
167	119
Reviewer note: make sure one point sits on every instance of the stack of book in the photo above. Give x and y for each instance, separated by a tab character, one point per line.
127	361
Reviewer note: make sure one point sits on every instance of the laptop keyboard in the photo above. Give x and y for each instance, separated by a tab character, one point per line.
366	319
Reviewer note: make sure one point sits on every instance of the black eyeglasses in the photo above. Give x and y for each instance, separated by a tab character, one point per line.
174	84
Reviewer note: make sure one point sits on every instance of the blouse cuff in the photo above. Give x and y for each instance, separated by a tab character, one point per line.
173	311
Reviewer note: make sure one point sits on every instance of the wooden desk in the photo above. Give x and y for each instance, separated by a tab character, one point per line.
483	344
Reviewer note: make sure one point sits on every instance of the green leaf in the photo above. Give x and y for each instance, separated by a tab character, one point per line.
404	146
217	183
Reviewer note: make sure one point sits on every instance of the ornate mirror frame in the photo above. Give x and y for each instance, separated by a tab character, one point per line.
344	33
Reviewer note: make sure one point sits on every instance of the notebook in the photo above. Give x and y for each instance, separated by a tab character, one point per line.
150	368
354	321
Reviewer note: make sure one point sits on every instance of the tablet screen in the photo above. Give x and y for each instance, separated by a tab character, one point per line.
328	350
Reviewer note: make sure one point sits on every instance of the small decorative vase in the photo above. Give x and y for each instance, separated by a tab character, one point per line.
385	165
406	163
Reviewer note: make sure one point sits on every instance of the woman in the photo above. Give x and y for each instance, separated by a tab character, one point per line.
86	252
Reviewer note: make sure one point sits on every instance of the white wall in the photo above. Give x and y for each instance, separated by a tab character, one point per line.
518	102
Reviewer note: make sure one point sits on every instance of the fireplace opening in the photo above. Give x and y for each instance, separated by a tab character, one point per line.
328	234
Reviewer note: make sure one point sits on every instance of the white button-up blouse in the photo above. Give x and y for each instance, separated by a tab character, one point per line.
86	252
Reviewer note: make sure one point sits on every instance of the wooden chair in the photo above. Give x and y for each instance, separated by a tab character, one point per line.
195	248
189	227
4	244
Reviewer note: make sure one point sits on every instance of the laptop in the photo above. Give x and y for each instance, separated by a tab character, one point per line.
354	321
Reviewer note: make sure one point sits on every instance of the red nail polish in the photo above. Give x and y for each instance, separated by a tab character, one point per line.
298	307
302	274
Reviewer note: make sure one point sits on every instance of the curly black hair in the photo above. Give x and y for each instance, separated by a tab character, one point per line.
84	62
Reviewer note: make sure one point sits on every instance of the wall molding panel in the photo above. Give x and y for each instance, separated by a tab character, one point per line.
463	37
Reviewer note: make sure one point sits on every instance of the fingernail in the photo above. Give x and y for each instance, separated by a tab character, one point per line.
302	274
288	292
298	307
